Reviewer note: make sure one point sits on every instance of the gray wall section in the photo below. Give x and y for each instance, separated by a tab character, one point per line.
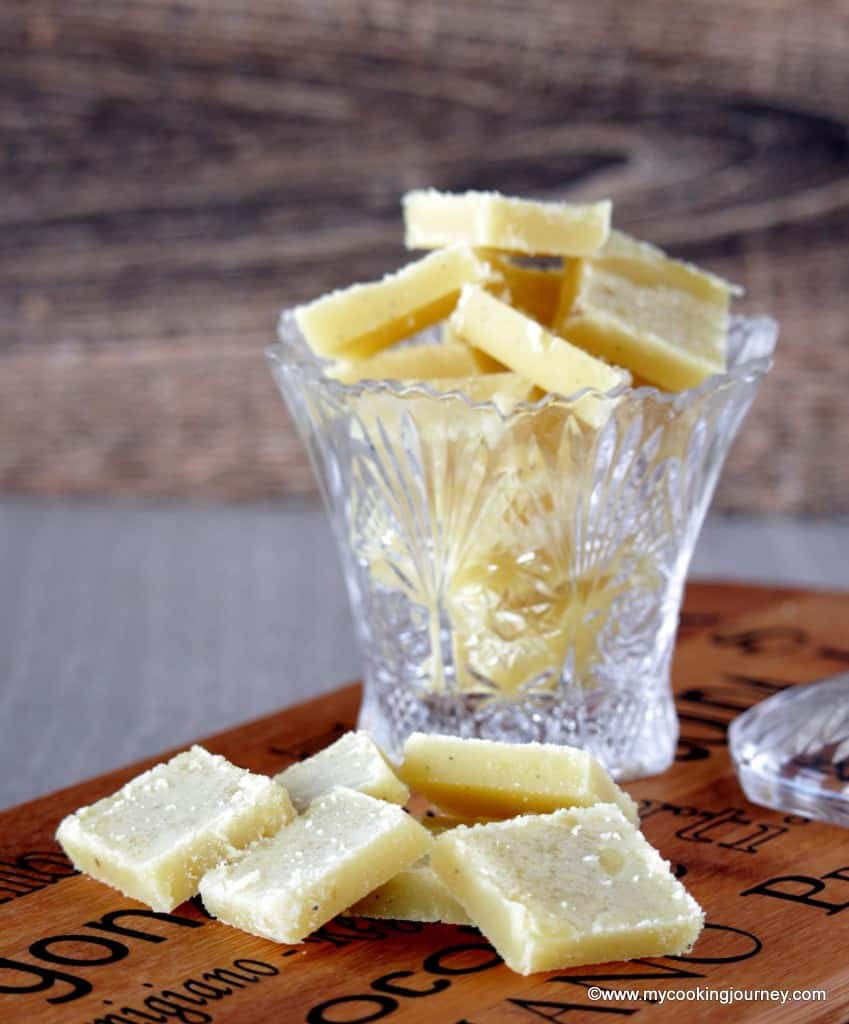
127	629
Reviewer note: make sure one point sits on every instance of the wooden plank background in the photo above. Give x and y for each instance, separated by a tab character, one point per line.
173	171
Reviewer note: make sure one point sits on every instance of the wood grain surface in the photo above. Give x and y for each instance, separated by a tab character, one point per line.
775	887
172	173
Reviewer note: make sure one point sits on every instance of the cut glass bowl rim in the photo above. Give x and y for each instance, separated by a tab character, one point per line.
755	338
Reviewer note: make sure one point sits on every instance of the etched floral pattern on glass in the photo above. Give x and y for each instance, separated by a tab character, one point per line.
515	573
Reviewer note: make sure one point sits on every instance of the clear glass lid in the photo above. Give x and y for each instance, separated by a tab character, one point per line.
791	751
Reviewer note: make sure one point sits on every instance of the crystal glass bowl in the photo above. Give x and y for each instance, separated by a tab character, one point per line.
513	572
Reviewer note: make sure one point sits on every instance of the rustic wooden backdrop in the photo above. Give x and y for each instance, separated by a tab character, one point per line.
173	171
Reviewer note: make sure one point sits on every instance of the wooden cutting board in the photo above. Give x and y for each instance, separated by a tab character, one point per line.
775	887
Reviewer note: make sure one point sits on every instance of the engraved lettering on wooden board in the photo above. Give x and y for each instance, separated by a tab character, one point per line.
775	886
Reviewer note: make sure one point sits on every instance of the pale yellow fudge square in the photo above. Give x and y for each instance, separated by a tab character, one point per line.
494	221
578	886
342	848
491	778
159	833
526	347
665	320
355	761
356	322
414	894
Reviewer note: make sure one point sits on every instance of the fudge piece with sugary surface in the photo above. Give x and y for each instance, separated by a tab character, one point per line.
491	778
494	221
574	887
355	761
356	322
344	846
526	347
159	833
665	320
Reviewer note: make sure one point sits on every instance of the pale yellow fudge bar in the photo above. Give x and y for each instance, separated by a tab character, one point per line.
579	886
415	362
526	347
494	221
414	894
356	322
342	848
159	833
666	321
355	761
489	778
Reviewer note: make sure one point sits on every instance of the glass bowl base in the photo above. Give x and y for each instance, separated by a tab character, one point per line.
634	737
